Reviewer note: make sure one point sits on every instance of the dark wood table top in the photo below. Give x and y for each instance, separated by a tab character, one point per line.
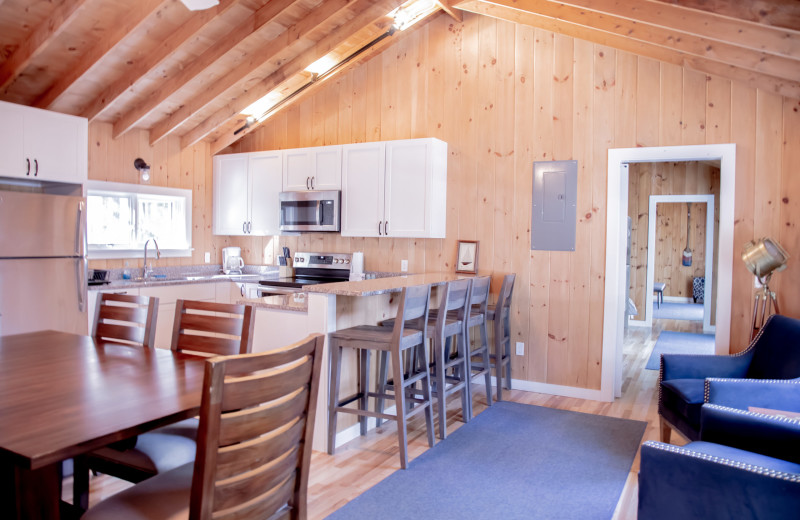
64	394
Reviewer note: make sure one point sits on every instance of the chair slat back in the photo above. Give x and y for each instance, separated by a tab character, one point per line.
124	318
480	294
503	306
212	328
413	311
455	297
254	439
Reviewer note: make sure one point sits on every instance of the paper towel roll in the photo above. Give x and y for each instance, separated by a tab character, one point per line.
357	263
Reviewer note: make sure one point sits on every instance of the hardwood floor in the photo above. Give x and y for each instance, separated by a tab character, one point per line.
365	461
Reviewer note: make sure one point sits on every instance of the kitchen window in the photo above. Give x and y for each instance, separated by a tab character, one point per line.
121	218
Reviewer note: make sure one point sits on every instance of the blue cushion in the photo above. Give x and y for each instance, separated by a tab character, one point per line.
684	396
747	457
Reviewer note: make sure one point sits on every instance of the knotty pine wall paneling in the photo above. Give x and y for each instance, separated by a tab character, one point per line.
112	160
504	95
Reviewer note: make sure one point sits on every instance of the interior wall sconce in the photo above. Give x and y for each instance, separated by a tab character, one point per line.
762	258
143	167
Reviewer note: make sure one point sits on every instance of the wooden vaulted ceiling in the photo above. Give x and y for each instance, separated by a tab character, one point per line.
153	64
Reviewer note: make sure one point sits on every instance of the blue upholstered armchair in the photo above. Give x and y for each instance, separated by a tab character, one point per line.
746	465
687	381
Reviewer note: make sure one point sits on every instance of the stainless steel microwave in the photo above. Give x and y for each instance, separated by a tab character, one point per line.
310	210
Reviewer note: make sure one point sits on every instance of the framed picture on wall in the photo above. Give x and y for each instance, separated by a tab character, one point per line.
467	259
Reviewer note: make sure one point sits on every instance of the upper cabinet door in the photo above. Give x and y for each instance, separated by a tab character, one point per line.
231	194
12	153
416	186
298	168
327	168
363	167
265	170
56	144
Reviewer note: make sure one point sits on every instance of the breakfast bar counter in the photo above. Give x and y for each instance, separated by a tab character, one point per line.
384	285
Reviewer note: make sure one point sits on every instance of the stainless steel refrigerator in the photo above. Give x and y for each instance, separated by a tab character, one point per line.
42	263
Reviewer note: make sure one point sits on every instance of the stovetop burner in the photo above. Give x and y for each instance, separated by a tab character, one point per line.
313	269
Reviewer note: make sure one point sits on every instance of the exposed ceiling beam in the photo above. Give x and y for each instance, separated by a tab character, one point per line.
613	36
229	138
146	64
778	13
700	23
374	14
281	43
447	7
137	13
170	86
38	39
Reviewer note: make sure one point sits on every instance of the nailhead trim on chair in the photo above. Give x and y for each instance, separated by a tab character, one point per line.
757	415
707	384
750	347
760	470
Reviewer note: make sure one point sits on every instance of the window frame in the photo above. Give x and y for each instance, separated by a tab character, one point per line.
134	190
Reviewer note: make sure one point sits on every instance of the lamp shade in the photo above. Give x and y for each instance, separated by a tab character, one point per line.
764	256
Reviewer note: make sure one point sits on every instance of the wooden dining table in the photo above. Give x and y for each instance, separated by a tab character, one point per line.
64	394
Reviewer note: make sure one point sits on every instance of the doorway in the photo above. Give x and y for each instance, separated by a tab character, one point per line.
615	279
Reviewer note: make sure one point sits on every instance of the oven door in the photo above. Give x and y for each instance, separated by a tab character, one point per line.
310	211
267	290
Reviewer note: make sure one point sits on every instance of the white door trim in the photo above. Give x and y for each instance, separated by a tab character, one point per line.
616	224
651	253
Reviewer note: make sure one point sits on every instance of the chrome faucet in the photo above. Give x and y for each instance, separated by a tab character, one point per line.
148	270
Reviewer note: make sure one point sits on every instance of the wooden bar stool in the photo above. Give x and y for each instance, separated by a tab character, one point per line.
500	315
478	307
450	368
409	331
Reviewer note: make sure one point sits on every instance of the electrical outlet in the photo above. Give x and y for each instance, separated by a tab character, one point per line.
520	348
404	265
208	257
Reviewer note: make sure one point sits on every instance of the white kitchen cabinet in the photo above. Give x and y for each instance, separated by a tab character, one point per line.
246	187
317	168
395	189
42	145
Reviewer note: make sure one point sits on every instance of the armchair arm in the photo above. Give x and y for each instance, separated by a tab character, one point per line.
769	435
692	366
677	482
764	393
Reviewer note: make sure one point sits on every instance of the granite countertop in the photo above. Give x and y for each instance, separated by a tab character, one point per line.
183	275
296	302
381	285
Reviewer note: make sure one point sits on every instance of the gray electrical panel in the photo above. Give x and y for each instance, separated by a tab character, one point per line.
555	201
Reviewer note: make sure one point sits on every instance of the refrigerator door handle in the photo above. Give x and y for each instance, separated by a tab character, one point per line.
78	220
80	276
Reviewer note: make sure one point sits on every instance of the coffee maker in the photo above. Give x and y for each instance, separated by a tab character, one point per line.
232	262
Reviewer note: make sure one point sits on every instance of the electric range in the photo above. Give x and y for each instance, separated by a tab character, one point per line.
310	269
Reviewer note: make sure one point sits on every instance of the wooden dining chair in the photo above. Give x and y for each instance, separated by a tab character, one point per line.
124	318
202	328
253	447
212	328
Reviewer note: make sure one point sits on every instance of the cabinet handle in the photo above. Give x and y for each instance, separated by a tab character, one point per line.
242	291
386	228
28	162
308	180
312	183
250	227
244	227
379	227
36	171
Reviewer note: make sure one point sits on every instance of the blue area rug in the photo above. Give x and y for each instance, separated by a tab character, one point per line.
678	311
513	461
670	342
